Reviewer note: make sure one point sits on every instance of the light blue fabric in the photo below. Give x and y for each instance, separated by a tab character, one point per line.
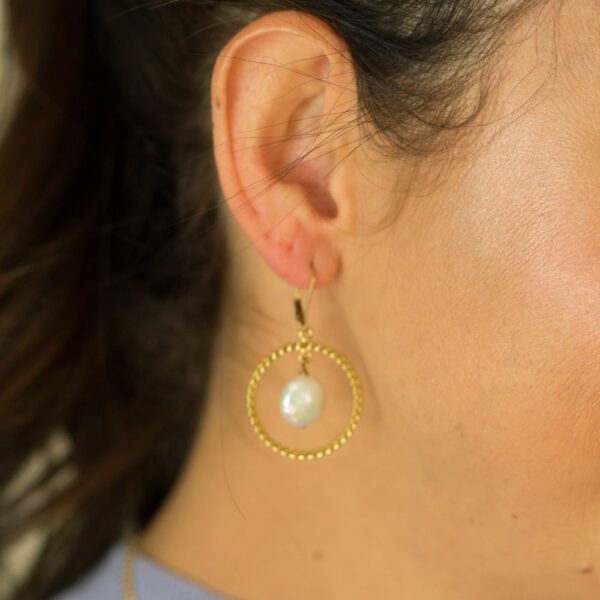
152	581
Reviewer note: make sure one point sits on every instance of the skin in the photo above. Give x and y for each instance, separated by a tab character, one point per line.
472	320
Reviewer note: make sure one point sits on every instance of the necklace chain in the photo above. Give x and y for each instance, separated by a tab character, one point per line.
127	583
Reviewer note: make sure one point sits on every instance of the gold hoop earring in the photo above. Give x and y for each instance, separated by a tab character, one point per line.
303	399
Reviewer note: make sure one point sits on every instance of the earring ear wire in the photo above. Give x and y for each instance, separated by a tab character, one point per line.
302	400
301	313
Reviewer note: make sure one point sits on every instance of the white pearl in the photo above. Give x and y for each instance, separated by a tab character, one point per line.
302	401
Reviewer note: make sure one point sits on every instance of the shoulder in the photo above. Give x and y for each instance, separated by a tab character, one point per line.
101	583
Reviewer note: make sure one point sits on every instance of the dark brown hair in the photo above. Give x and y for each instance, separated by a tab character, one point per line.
112	258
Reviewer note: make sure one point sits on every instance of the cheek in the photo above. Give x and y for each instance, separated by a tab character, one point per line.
525	276
554	411
514	296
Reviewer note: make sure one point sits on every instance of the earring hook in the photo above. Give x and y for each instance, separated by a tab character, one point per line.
301	313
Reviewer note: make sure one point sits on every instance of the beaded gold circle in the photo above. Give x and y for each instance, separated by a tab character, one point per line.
340	440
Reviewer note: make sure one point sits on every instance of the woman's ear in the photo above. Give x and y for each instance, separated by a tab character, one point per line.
284	118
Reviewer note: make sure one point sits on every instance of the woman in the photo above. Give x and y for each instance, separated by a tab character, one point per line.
407	189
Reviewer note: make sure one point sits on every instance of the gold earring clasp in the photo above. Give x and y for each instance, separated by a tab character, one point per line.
301	312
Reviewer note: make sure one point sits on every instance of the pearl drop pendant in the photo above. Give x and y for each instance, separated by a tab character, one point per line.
302	401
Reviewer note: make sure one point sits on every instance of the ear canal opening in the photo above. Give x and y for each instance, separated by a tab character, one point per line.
312	165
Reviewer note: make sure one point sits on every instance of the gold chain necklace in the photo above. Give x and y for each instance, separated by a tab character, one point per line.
127	579
127	583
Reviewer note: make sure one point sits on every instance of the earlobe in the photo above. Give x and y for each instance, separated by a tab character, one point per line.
282	95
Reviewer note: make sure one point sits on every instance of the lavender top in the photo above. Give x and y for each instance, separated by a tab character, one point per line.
152	581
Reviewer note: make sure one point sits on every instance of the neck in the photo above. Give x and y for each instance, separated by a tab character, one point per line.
249	523
395	512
